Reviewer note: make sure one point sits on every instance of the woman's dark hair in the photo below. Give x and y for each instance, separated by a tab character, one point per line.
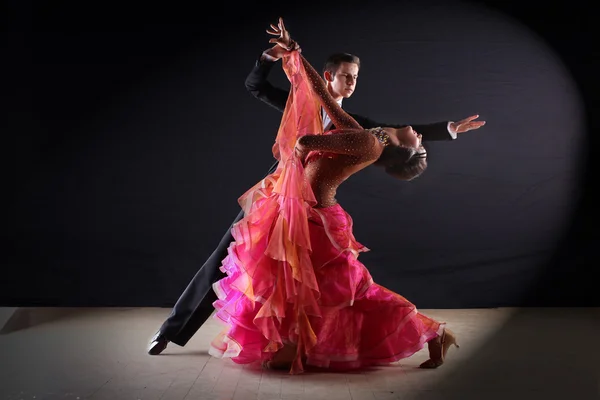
405	163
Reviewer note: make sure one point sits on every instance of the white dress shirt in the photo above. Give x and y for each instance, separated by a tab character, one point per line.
326	120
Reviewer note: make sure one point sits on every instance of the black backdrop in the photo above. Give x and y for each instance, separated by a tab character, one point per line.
131	136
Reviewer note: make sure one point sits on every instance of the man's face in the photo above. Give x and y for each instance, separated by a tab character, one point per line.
343	83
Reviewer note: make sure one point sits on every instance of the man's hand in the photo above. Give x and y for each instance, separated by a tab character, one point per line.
275	53
466	124
301	152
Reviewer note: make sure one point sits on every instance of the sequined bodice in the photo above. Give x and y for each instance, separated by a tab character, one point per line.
326	171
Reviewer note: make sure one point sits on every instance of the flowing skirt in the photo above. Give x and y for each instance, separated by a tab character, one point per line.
293	277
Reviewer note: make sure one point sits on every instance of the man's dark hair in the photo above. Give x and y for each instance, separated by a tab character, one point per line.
333	61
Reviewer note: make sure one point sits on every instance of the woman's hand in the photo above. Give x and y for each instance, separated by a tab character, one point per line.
284	40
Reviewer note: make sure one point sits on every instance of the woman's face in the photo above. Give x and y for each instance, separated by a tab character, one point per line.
408	137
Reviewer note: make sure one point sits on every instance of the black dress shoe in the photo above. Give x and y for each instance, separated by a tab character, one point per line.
157	344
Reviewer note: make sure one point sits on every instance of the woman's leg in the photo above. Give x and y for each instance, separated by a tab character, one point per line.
282	359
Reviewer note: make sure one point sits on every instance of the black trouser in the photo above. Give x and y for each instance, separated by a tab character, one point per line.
194	306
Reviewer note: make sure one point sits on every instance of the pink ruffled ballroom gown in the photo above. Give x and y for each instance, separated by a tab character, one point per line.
293	274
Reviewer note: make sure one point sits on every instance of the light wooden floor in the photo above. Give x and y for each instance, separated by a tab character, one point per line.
101	354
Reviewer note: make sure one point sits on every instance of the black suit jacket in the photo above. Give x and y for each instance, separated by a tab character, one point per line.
258	85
